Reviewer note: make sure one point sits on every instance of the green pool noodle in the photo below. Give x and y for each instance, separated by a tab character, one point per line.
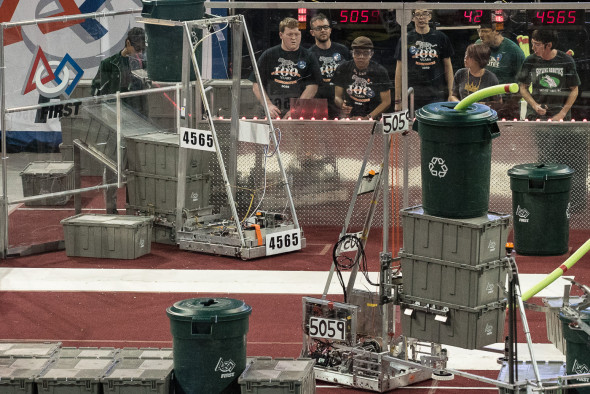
485	93
573	259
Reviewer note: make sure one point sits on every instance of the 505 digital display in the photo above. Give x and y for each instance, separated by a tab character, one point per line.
360	16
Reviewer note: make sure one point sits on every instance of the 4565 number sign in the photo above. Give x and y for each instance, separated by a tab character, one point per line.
283	241
196	139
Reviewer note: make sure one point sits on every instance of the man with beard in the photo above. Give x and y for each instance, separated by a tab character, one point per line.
329	55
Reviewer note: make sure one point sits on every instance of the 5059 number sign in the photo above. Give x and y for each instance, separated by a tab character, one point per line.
396	122
283	241
196	139
327	328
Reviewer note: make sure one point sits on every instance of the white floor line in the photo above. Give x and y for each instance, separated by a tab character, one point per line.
202	281
242	282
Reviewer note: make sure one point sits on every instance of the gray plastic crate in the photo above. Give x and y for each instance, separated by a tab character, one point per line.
88	352
159	192
157	154
88	165
43	177
467	241
459	284
74	376
468	328
146	353
289	376
17	375
108	236
139	376
29	349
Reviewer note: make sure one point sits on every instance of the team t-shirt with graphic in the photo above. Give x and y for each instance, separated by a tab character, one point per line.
362	87
465	83
426	71
286	74
551	81
329	60
505	60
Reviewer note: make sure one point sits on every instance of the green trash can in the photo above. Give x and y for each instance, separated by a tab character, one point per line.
164	43
577	344
456	156
540	208
209	344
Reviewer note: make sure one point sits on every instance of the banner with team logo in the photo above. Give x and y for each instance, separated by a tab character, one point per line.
48	62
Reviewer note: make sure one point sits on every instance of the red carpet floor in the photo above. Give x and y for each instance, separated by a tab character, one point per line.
125	319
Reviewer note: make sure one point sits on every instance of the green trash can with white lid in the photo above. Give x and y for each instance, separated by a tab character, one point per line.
209	344
456	156
577	344
540	208
164	43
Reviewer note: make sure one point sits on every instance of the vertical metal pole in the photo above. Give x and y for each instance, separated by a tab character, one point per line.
384	277
77	179
385	183
237	35
185	104
403	22
118	141
4	200
220	160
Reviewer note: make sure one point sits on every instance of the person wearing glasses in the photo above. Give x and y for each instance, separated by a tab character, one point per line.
430	71
362	87
506	58
329	56
115	75
286	71
553	77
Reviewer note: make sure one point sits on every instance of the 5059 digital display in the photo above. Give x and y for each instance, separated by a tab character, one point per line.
360	16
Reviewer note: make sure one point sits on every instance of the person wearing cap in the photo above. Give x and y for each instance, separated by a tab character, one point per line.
115	75
362	87
553	77
430	71
286	71
506	59
329	55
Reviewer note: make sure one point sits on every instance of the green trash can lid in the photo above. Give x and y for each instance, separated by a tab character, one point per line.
209	310
540	171
444	114
584	315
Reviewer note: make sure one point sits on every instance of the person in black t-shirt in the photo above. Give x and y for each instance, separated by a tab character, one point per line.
362	87
286	71
430	71
329	56
553	76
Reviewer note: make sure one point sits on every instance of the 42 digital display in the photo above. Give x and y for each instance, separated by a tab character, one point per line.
360	16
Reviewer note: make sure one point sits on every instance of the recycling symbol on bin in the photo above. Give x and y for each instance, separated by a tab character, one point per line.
438	167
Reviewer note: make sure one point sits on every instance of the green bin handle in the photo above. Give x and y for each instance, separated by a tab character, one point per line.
494	130
147	7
